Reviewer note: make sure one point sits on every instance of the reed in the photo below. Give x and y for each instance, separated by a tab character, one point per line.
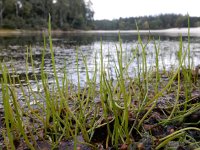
63	112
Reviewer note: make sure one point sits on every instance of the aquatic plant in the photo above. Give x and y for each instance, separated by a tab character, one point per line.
116	113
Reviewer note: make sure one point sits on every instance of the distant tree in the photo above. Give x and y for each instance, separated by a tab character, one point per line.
121	24
89	14
26	9
66	14
162	21
9	6
146	25
78	14
181	21
1	11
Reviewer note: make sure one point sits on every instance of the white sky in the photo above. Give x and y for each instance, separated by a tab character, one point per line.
113	9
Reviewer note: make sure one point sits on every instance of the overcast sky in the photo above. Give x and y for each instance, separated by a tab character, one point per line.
113	9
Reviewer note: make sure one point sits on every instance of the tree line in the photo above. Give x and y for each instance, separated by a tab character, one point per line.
162	21
78	14
33	14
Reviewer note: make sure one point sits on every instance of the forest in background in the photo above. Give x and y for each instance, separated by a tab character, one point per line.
33	14
162	21
77	14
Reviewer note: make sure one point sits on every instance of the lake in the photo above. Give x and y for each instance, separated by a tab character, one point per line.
13	52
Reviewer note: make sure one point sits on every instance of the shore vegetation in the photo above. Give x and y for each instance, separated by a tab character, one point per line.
157	109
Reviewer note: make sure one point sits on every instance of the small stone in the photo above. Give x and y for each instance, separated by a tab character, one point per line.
140	146
171	130
78	148
124	147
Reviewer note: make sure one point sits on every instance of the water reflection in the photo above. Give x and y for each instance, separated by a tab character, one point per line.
13	51
80	38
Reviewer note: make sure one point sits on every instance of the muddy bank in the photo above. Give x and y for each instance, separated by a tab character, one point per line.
149	135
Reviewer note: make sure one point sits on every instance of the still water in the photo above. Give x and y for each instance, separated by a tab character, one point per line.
13	52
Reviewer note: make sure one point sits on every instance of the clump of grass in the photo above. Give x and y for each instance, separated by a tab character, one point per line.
64	113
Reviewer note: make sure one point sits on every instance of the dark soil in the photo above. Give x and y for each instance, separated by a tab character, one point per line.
147	137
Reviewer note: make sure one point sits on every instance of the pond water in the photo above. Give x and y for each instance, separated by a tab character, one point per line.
13	52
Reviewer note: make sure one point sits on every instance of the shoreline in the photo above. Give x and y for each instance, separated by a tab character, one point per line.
164	32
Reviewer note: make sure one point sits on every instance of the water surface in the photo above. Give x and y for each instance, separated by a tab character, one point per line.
13	52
